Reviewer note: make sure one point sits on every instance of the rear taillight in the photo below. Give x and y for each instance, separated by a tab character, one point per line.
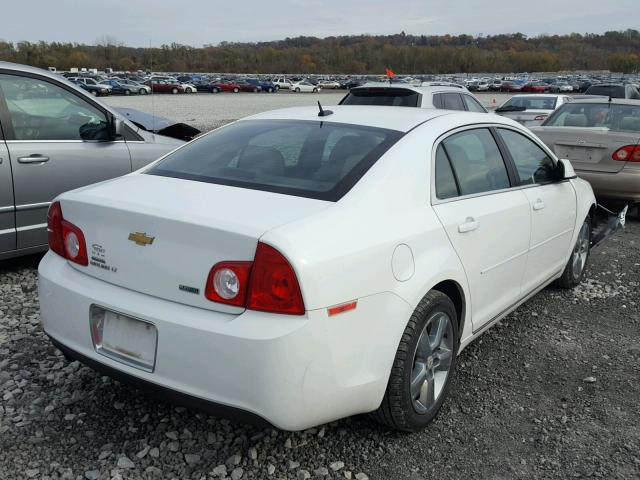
65	238
268	283
628	153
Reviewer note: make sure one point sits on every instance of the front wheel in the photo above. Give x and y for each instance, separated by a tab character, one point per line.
577	265
423	367
94	93
315	90
297	90
174	90
127	92
236	90
142	91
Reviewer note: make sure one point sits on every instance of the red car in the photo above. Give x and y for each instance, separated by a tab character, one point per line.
234	86
509	86
165	86
535	87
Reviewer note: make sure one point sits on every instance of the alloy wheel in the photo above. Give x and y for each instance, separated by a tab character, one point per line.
432	362
580	251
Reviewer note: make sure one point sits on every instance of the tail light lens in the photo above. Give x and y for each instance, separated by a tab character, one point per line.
65	238
628	153
268	283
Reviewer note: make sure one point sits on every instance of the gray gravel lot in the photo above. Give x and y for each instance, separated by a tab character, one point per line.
206	111
553	391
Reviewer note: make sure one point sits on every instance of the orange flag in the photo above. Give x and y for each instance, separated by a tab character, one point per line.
390	73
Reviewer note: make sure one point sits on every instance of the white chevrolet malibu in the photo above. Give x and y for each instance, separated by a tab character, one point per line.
296	267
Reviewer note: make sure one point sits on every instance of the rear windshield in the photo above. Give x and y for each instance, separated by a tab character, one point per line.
388	97
532	103
615	117
313	159
615	91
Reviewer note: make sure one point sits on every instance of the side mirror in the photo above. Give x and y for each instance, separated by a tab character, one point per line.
564	170
117	128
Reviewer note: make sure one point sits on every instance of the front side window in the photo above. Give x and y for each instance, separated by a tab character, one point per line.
40	110
532	163
313	159
477	162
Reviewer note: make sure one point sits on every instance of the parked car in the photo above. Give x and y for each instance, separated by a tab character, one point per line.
264	85
531	109
614	90
304	86
95	89
509	86
246	86
224	86
601	139
534	87
57	137
330	84
560	87
189	87
442	95
165	86
120	88
141	88
282	82
495	85
307	254
482	86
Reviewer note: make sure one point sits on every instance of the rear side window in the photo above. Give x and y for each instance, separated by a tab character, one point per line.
477	162
452	101
389	97
313	159
445	180
615	91
532	163
472	104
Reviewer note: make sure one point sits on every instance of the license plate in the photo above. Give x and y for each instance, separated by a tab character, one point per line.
125	339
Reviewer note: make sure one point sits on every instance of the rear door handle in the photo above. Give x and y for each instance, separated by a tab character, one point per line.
469	225
33	158
538	204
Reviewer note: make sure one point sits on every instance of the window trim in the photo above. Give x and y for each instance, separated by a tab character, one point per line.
434	200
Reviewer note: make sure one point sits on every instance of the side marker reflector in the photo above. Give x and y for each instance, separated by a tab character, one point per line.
345	307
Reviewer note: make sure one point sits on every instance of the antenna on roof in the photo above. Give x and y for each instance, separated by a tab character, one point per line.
323	112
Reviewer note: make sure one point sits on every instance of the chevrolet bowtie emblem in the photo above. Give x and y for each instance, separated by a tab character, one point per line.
141	239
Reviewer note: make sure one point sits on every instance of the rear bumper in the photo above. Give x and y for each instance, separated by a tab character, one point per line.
622	185
292	372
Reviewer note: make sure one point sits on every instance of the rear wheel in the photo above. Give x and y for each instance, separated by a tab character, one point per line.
236	90
423	367
277	87
297	89
215	90
577	265
94	93
315	90
127	92
174	90
142	91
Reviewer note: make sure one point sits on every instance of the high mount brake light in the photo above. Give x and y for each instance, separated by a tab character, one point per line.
268	284
65	239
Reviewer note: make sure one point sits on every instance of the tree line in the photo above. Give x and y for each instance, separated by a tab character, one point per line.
617	51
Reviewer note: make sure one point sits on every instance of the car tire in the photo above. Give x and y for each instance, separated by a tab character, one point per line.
298	90
214	90
236	90
127	92
142	91
410	408
174	90
255	90
577	265
277	87
270	90
94	93
315	90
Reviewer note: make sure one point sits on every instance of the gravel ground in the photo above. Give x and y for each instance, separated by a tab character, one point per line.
551	392
207	111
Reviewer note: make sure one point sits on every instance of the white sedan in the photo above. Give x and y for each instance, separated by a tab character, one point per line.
304	86
297	267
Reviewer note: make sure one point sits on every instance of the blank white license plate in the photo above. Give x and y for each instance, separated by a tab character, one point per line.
125	339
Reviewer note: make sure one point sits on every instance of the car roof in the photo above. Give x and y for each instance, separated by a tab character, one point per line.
598	99
401	119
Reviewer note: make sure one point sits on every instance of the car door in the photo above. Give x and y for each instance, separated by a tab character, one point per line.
7	206
487	221
552	203
57	141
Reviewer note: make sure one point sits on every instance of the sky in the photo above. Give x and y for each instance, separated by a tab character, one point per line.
142	23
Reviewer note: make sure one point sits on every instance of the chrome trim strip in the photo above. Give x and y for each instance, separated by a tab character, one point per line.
32	206
31	227
7	231
8	208
64	141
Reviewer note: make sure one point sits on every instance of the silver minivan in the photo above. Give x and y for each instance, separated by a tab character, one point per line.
56	137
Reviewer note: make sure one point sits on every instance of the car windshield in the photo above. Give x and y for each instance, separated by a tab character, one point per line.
532	103
314	159
615	117
615	91
390	97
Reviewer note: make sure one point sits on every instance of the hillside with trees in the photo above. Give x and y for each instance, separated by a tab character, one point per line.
617	51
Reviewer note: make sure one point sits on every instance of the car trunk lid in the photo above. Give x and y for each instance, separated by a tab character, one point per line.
161	236
588	149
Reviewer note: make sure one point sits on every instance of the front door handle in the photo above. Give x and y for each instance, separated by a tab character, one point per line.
469	225
538	204
33	158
